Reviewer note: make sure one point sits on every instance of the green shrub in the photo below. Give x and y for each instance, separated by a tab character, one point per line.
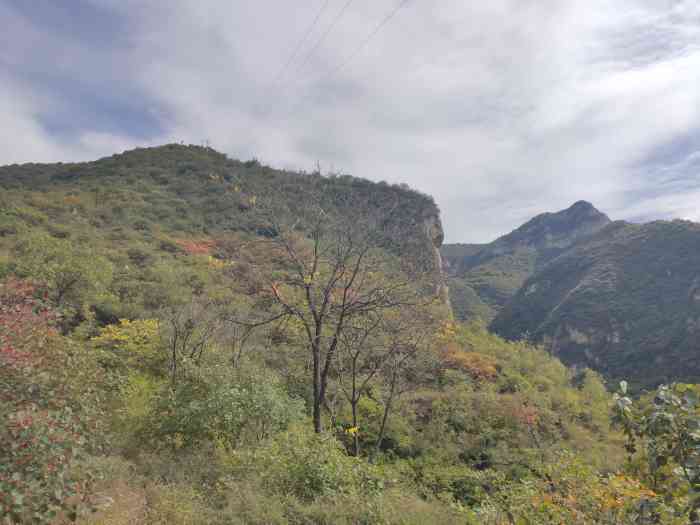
216	403
132	345
309	466
75	276
177	505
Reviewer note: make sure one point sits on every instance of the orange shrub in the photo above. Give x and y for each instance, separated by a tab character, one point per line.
479	366
197	247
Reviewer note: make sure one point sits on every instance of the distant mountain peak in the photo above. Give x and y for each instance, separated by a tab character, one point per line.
584	208
582	205
579	220
489	275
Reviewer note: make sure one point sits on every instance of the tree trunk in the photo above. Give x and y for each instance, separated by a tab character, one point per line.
318	401
385	417
355	437
353	401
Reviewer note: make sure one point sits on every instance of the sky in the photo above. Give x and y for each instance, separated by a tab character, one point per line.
499	109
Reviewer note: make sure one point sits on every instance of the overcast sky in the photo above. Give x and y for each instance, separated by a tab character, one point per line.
500	109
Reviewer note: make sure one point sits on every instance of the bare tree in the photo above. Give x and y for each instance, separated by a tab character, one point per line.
236	337
409	359
190	330
328	274
360	358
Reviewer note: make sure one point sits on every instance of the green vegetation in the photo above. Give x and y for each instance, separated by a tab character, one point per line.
188	339
663	442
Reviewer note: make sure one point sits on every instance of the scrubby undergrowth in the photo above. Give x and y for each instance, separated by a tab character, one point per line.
157	366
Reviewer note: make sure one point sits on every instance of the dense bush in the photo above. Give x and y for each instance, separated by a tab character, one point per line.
309	466
214	403
73	275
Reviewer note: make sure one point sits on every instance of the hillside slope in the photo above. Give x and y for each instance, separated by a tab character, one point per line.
158	361
163	195
483	278
625	301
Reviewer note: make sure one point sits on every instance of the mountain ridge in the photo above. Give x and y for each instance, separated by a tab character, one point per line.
170	193
625	301
197	174
622	298
483	278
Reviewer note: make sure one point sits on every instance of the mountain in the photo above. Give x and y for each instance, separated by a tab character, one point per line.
625	301
484	277
621	298
152	200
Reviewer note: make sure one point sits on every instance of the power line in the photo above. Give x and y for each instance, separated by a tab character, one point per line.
382	23
320	41
301	42
369	37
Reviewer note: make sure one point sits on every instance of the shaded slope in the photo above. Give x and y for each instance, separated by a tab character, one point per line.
626	301
483	278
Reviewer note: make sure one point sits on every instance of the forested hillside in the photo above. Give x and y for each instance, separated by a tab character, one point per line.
616	297
187	191
188	339
625	302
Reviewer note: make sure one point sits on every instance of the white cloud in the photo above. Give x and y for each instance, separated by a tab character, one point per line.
499	109
23	139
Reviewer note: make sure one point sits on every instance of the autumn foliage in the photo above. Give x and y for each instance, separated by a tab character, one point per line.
155	364
23	319
197	247
42	427
479	366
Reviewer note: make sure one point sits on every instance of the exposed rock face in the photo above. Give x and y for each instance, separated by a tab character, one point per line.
432	226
